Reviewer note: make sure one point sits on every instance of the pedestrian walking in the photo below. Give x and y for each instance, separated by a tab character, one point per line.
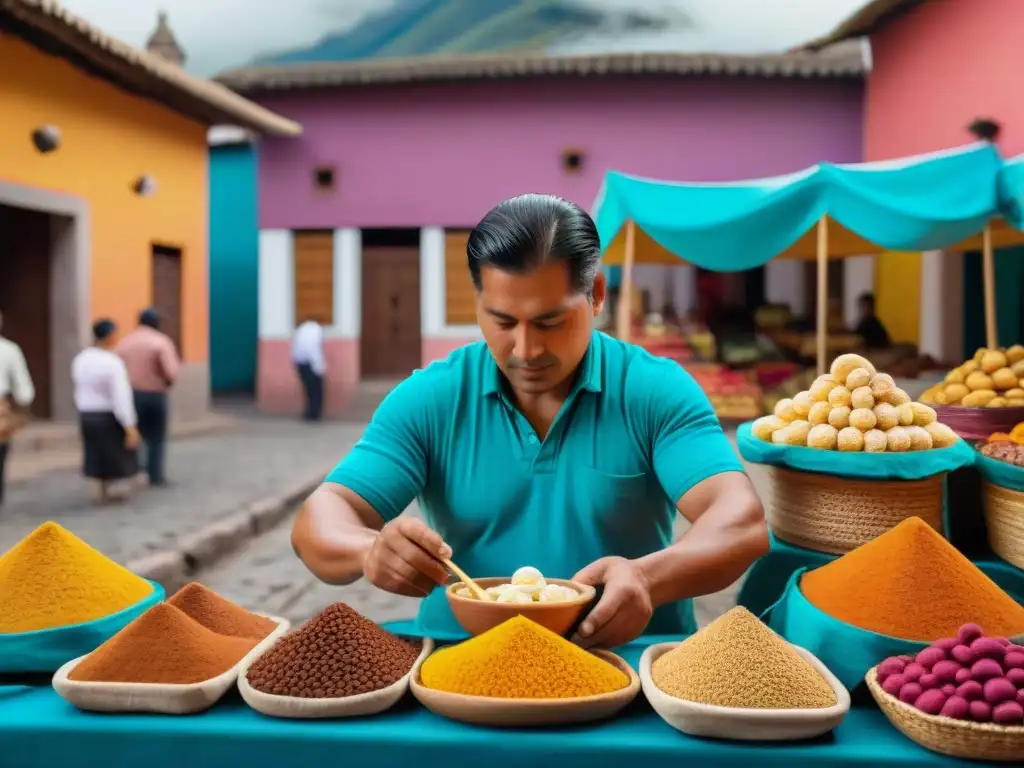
308	357
153	367
106	411
16	394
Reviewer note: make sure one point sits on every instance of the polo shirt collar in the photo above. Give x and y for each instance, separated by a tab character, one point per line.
590	378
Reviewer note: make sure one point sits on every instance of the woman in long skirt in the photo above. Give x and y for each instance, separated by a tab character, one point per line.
106	411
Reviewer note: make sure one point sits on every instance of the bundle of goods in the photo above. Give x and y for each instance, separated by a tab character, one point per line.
894	595
984	395
732	394
938	695
1002	469
527	585
60	598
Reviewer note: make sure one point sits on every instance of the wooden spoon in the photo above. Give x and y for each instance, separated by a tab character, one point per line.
476	589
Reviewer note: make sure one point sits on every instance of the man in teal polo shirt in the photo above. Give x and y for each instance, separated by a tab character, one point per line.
548	444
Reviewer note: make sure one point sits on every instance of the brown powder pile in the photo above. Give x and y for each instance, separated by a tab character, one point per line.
335	654
912	584
163	645
736	661
219	614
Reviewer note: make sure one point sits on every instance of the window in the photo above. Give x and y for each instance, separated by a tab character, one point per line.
572	160
459	294
323	178
314	277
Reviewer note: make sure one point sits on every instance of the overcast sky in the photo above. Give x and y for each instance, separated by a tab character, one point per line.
218	34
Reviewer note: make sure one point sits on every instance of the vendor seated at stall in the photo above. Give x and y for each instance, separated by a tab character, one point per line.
869	327
548	444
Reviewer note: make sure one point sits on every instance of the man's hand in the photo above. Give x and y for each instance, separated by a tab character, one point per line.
131	438
404	558
624	609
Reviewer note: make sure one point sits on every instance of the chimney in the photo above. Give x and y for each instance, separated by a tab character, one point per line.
163	44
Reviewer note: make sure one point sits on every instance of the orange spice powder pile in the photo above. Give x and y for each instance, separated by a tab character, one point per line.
218	614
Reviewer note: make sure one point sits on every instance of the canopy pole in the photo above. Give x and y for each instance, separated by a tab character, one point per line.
988	265
625	316
822	294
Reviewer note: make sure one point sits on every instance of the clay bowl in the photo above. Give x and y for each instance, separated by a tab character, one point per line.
478	616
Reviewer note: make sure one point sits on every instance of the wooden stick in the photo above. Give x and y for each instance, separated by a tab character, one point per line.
988	266
822	294
479	592
625	314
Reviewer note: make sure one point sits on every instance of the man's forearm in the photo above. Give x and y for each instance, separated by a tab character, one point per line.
716	550
330	539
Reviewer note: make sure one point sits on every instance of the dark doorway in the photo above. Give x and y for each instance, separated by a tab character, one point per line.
390	345
25	272
167	290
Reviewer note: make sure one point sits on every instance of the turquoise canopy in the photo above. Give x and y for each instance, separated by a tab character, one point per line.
1011	189
918	203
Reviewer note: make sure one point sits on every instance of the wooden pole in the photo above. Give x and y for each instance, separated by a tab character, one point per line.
625	314
988	266
822	294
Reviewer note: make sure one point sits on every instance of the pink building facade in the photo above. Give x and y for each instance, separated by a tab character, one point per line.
424	160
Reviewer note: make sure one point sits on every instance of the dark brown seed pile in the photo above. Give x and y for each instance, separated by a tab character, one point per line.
335	654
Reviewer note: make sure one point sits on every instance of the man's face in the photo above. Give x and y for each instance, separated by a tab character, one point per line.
536	326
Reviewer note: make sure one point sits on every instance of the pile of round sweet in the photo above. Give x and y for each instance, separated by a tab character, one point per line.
993	378
527	585
967	677
854	408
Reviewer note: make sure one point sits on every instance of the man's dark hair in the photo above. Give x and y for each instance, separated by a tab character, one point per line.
150	318
103	328
867	298
525	232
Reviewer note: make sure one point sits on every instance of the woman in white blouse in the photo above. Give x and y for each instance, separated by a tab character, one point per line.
106	409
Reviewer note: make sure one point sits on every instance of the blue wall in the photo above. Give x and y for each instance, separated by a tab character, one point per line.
234	268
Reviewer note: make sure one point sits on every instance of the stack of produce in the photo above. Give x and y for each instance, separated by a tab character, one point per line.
854	408
51	578
994	378
335	654
1007	447
519	659
732	394
911	584
527	585
967	677
736	661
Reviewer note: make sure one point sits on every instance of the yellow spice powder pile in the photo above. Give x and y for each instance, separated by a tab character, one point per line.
52	578
519	659
736	661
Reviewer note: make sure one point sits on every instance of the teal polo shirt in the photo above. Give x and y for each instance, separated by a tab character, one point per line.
635	434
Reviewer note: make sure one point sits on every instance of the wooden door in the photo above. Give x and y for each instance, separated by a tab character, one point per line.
25	273
390	344
314	277
167	291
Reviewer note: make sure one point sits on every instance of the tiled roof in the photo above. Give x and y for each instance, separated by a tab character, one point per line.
869	19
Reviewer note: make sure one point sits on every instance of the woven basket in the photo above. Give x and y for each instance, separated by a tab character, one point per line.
978	423
1004	520
956	738
833	514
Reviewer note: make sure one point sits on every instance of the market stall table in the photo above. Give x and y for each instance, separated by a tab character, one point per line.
39	729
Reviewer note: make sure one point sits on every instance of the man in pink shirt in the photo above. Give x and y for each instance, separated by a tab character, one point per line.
152	363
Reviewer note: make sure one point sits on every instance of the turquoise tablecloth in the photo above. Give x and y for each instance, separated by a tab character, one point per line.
40	730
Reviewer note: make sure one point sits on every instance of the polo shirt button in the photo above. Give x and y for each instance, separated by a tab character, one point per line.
533	439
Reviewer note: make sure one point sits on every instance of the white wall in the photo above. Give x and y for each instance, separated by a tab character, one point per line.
858	278
348	284
276	284
784	284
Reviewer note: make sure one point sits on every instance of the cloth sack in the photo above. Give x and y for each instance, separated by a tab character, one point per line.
1001	473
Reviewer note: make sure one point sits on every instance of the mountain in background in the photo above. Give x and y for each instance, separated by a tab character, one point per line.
425	27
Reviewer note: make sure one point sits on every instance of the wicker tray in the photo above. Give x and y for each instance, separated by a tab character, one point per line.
978	423
956	738
1004	521
832	514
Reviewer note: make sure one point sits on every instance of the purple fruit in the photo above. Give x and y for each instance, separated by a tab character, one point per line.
891	666
948	689
969	633
964	655
947	644
931	702
986	669
988	648
906	658
971	690
980	711
913	672
928	681
892	685
946	670
956	707
1002	641
1020	697
1013	660
1016	676
999	689
962	675
1008	713
910	692
929	656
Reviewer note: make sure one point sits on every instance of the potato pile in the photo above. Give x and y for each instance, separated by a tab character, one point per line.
994	378
853	408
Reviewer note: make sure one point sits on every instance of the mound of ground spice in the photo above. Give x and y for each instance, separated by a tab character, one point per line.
52	578
519	659
335	654
912	584
736	661
163	645
219	614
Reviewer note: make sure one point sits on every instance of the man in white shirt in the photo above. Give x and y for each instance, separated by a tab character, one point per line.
16	390
308	357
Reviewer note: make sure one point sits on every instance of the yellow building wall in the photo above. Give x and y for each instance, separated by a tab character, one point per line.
108	139
898	295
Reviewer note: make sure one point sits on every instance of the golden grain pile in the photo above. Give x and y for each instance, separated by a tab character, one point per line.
994	378
854	408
